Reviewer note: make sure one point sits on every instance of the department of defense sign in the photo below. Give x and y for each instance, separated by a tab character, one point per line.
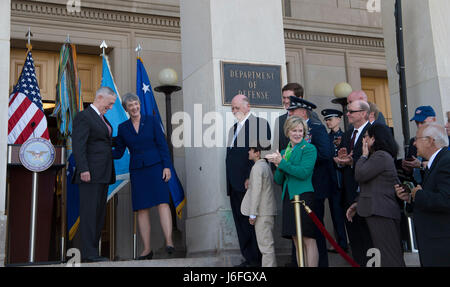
260	83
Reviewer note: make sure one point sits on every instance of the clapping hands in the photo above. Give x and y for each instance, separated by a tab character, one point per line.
343	157
274	158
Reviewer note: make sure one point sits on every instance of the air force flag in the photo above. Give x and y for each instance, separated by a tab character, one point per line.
148	107
116	116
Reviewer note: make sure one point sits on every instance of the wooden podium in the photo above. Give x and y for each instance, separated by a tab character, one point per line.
20	213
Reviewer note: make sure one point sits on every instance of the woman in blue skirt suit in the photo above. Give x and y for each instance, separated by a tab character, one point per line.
149	170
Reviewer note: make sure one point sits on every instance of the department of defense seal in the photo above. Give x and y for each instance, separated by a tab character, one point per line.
37	154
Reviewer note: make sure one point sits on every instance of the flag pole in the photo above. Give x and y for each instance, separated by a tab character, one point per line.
112	215
34	193
138	51
29	35
63	204
64	194
134	236
112	229
103	46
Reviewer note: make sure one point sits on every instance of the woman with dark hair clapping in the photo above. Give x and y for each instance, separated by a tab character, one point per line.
376	174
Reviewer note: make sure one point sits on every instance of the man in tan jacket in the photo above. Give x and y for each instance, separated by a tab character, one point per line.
259	204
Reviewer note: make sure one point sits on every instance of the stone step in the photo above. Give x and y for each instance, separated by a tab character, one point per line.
335	260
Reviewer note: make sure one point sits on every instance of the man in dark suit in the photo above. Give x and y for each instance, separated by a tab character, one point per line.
323	180
92	150
247	132
430	204
349	152
332	119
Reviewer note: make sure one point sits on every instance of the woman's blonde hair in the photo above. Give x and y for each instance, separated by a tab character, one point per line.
292	122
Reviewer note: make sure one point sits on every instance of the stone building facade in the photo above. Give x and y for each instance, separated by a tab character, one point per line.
326	42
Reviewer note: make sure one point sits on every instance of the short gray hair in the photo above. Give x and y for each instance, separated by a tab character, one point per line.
104	91
436	132
363	106
129	97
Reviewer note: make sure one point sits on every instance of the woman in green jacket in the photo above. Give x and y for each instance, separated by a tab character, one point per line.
295	167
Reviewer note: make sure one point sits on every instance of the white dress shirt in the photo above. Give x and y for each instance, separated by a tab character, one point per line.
430	161
238	128
360	129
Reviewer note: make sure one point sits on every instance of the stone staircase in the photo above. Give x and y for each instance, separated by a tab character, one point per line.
335	260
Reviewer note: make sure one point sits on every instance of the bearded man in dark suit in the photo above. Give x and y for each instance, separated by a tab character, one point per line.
249	131
92	150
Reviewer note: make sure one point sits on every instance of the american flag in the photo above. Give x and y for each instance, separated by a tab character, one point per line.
26	118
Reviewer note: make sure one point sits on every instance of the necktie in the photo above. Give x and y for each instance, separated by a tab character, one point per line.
109	128
352	143
427	172
416	173
236	132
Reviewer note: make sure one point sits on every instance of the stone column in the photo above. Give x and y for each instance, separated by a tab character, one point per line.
5	16
427	57
248	31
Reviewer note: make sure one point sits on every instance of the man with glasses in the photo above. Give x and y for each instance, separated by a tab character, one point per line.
349	152
430	202
361	96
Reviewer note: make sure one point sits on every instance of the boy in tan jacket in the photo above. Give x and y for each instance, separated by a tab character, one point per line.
260	205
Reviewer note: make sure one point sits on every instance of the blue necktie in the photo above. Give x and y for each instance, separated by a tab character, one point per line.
416	173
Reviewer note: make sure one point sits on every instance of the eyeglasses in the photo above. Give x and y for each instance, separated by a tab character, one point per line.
422	137
352	112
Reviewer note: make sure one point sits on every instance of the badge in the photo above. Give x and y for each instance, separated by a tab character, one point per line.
308	138
37	154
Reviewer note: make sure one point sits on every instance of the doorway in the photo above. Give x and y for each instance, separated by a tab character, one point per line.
376	87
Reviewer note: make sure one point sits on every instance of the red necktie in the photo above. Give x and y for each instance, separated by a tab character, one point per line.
352	143
109	128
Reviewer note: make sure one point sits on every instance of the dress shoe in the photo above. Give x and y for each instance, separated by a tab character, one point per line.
95	259
146	257
170	250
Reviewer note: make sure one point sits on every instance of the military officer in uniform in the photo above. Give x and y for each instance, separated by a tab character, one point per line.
333	119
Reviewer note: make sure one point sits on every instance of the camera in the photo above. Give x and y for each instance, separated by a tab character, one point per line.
408	186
